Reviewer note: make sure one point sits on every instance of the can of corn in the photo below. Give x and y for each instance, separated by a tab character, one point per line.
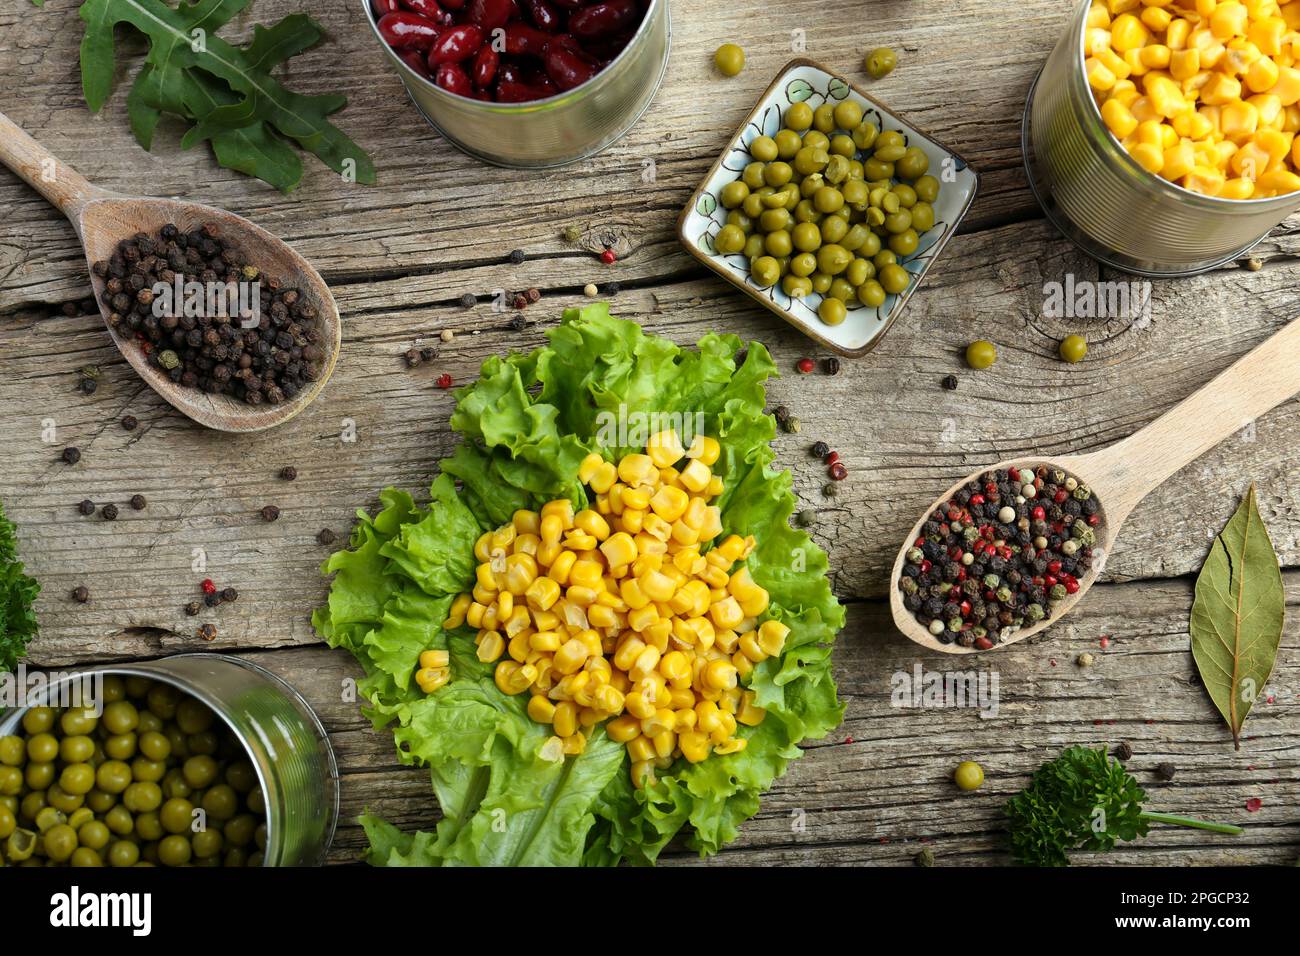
1104	201
285	741
556	131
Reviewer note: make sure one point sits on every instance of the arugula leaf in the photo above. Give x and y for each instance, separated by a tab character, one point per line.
528	422
225	92
1083	800
17	595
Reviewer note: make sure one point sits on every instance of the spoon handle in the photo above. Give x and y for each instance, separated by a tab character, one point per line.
1260	380
65	188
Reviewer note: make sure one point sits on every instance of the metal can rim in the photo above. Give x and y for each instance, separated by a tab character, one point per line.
1172	189
531	106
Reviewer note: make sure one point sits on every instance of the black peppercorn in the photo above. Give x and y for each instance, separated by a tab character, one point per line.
325	536
88	386
517	256
208	632
86	506
1124	751
193	608
467	300
229	595
109	512
831	365
806	518
518	323
428	353
831	489
781	414
820	449
71	455
80	594
138	502
270	513
212	600
950	382
288	473
613	288
412	358
1165	770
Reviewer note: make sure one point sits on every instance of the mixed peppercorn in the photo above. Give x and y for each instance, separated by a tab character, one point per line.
1000	555
268	356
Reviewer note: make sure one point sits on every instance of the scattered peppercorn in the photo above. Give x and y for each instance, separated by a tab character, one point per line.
792	425
468	300
1000	555
613	288
820	449
1166	770
806	518
838	472
534	295
805	365
1254	263
129	422
109	512
86	506
428	353
207	586
609	257
520	301
831	365
518	323
208	632
572	234
949	382
590	290
443	380
925	857
412	357
138	503
193	608
830	489
781	414
229	595
88	386
446	335
288	473
1084	660
212	600
1124	750
80	594
517	256
270	513
71	455
325	536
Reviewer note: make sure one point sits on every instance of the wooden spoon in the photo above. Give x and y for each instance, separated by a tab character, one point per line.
102	219
1127	471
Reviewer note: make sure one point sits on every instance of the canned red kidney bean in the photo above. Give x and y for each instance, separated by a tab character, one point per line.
510	51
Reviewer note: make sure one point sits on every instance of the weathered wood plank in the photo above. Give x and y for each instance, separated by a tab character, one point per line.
436	212
855	797
903	437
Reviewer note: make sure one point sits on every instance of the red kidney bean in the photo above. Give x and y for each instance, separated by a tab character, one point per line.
408	31
458	43
432	10
382	7
510	71
569	4
566	41
486	62
514	91
602	19
453	79
454	4
415	60
490	14
523	40
566	68
543	15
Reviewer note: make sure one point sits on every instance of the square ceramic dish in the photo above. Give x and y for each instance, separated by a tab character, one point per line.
803	80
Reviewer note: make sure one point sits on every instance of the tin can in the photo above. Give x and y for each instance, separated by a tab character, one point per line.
285	741
555	131
1105	202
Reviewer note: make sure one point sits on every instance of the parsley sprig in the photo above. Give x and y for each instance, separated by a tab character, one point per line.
1083	800
17	594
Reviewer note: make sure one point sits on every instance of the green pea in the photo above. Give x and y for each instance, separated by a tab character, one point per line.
42	748
174	851
32	804
150	723
751	177
738	218
856	192
765	271
842	145
120	820
120	746
778	243
894	278
764	149
100	801
906	195
871	294
121	717
38	720
59	842
733	194
754	246
805	211
1074	348
969	775
730	239
864	135
775	175
729	59
807	237
824	118
927	188
817	140
113	776
875	169
833	229
880	62
239	830
77	778
39	776
78	720
913	163
903	243
809	160
235	857
78	749
774	219
899	221
798	116
13	751
821	283
922	217
841	289
859	271
8	823
148	826
11	781
94	834
138	688
801	266
83	857
833	259
141	797
788	144
796	287
148	771
885	257
837	170
848	114
832	311
123	853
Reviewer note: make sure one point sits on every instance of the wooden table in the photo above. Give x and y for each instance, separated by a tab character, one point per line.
400	254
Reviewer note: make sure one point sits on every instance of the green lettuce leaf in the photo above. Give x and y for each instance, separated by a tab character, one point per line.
527	423
17	596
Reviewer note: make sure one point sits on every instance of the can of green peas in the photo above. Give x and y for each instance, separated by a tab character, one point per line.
1104	201
285	743
558	129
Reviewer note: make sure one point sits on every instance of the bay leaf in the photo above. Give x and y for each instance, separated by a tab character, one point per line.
1237	615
